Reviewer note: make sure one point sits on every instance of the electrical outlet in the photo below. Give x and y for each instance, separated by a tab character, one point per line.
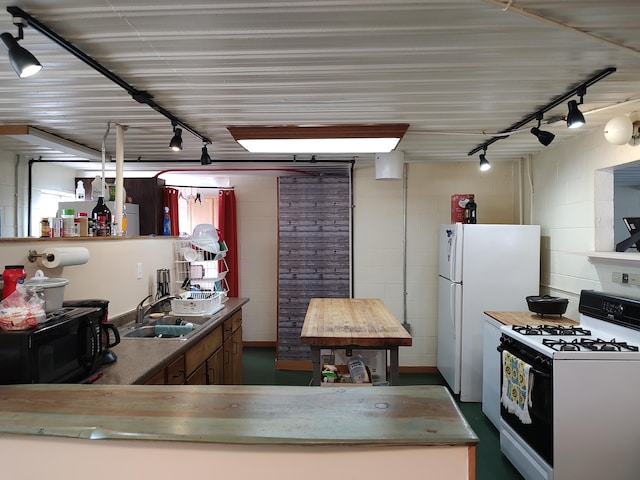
139	270
634	279
616	277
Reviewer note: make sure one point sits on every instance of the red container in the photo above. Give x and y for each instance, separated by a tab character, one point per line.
458	202
11	277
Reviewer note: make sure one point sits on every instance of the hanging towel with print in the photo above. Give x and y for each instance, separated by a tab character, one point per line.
516	386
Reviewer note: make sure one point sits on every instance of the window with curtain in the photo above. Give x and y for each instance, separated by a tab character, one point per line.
196	208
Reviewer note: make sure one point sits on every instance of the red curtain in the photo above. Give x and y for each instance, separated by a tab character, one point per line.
227	226
170	199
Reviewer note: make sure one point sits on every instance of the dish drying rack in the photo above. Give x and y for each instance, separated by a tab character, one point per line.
200	267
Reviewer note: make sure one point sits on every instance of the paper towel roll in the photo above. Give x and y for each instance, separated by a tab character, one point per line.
62	257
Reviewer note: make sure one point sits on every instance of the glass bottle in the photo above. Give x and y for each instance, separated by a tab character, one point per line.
101	216
470	210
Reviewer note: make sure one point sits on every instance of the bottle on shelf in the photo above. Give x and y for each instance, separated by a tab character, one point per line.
101	216
123	229
68	222
80	190
470	210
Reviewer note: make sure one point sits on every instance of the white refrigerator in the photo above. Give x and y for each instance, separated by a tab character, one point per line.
480	268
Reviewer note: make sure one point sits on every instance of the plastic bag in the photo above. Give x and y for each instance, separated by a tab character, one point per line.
23	309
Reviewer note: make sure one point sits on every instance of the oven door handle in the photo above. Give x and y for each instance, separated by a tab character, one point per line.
535	371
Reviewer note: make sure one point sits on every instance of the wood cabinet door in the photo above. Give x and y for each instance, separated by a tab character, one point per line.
203	349
175	371
158	378
215	368
199	377
237	356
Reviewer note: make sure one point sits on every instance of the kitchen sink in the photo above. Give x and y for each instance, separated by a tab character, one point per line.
162	327
151	331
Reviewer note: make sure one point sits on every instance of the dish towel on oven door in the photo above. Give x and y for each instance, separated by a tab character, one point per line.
516	386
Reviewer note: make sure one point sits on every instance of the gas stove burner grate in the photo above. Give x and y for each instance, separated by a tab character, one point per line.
565	330
589	344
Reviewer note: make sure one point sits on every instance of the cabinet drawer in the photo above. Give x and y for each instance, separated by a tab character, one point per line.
202	350
231	324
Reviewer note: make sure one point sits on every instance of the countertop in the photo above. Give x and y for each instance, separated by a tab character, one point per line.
529	318
139	358
363	322
424	415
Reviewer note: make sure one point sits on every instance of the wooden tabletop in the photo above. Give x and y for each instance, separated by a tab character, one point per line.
244	414
364	322
529	318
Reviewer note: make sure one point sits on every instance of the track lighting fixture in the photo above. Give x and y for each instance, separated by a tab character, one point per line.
176	141
22	61
22	19
484	163
575	119
205	159
545	138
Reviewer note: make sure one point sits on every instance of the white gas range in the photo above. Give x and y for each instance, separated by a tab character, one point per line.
582	391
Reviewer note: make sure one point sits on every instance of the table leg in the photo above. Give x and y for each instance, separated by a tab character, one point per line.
394	366
315	360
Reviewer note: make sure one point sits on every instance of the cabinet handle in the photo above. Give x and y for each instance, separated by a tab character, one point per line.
235	348
227	357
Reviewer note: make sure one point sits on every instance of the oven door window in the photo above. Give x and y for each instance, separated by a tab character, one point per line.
539	433
65	353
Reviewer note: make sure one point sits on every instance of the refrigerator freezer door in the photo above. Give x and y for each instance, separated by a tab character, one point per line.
449	329
450	253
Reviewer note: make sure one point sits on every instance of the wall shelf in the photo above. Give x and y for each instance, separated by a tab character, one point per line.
613	257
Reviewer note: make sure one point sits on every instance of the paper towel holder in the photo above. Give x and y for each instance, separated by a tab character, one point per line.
34	255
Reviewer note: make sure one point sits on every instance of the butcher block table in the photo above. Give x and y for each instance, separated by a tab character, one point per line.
362	323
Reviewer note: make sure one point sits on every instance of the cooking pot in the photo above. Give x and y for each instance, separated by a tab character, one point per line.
546	304
53	290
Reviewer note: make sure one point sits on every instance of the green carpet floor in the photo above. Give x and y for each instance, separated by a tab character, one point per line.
259	369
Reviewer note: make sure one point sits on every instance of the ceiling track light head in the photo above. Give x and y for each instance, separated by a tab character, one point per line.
176	140
21	59
484	163
545	138
205	159
575	118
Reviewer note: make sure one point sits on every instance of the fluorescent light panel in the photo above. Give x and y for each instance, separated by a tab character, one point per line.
35	136
320	139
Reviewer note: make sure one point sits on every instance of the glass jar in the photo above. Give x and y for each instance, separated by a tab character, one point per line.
68	223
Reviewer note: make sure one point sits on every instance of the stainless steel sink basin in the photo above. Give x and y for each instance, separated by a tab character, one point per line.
147	329
150	331
173	319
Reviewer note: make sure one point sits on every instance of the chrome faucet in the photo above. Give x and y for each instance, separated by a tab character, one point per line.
142	310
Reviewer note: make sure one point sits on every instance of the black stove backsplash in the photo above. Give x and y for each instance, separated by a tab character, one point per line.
610	308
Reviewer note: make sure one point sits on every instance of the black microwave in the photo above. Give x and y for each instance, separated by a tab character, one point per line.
65	349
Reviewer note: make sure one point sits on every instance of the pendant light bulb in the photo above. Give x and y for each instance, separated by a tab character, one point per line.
484	163
176	141
575	119
22	61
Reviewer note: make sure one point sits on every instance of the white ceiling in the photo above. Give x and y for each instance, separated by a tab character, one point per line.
452	69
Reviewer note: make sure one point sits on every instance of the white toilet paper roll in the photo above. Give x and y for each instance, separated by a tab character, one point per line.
64	256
